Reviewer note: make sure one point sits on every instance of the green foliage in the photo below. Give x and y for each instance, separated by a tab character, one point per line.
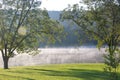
23	25
100	19
112	62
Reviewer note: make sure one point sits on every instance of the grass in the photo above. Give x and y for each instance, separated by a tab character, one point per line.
55	72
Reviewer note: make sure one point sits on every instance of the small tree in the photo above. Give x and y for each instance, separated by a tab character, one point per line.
23	26
100	19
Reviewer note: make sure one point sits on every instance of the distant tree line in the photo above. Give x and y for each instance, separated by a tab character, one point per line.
72	38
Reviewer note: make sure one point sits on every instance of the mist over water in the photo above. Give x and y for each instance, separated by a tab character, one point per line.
67	51
58	56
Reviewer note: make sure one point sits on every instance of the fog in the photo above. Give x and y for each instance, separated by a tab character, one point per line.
58	56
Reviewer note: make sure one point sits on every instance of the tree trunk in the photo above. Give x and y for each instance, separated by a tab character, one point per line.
5	61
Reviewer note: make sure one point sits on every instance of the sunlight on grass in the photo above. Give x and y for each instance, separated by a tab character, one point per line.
55	72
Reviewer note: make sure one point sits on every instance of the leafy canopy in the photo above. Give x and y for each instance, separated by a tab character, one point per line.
23	25
99	18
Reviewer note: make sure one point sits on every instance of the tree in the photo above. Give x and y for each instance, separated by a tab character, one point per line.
23	25
100	19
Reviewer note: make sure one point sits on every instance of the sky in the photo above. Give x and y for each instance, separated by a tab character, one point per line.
57	5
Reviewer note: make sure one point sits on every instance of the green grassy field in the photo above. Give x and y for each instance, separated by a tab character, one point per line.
55	72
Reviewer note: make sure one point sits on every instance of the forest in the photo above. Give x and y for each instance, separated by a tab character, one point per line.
71	39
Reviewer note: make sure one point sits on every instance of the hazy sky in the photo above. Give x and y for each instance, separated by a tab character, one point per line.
57	4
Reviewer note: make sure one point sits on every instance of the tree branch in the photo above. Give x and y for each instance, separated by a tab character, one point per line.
20	23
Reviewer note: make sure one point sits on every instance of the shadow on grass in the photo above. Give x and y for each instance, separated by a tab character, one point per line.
11	76
83	74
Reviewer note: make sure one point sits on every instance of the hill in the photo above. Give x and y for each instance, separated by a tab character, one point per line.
71	40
